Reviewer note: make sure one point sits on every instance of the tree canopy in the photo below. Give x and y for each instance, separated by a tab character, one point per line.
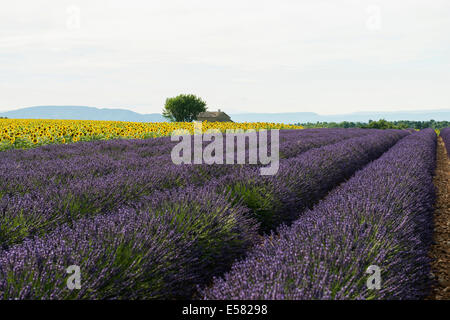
183	108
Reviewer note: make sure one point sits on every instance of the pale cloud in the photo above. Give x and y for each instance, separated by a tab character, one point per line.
248	56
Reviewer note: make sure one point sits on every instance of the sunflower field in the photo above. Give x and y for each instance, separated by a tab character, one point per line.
24	133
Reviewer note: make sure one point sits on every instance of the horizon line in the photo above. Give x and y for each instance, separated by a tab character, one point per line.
241	113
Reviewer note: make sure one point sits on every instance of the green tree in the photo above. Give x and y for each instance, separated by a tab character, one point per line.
380	124
183	108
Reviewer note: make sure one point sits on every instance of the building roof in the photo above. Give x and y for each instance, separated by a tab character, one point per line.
209	114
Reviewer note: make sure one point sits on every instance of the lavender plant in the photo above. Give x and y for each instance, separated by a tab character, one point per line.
382	216
108	213
161	248
445	135
67	187
305	179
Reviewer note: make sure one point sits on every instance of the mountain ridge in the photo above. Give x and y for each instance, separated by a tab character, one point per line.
108	114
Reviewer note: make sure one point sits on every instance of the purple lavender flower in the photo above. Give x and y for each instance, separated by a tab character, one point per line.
382	216
445	134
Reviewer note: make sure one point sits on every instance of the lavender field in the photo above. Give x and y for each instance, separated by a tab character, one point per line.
445	135
139	226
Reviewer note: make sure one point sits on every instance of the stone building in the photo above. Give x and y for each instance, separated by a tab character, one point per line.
214	116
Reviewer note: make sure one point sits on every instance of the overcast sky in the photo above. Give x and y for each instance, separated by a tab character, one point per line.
324	56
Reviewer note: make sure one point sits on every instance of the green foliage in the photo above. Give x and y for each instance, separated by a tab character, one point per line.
260	200
381	124
183	108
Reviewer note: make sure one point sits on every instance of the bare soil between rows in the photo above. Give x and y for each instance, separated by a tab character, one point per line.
440	251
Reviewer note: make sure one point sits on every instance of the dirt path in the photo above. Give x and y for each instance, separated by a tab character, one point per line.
440	251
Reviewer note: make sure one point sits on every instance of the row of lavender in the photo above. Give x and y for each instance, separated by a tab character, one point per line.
445	134
49	186
24	171
27	170
291	141
168	242
381	217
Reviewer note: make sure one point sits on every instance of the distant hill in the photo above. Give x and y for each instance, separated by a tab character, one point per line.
289	117
303	117
422	115
81	113
91	113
